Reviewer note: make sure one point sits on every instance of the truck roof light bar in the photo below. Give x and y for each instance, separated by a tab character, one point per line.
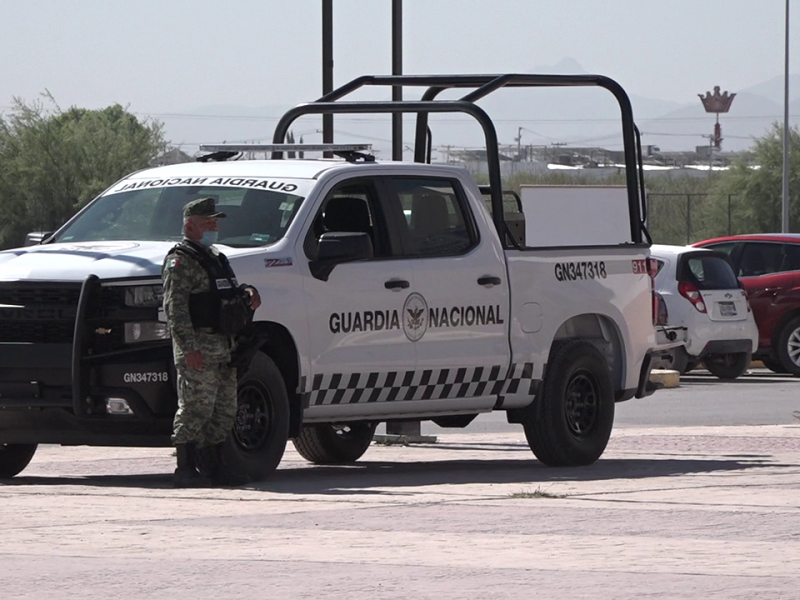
284	147
222	152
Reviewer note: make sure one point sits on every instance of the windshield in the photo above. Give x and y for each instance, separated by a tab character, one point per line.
254	217
709	273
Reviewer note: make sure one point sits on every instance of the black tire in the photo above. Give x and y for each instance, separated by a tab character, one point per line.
259	436
14	458
773	364
691	366
727	366
788	349
334	444
679	360
573	414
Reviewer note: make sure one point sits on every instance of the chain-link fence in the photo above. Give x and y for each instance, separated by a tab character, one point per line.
688	218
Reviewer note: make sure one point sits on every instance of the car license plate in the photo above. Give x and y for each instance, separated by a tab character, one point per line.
727	309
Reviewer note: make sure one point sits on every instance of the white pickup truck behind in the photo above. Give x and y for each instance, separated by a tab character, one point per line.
389	292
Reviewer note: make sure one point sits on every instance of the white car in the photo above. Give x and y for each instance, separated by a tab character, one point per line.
702	293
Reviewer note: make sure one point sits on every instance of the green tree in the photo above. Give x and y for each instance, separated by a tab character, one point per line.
55	161
756	192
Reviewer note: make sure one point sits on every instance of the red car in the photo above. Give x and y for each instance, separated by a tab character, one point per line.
768	266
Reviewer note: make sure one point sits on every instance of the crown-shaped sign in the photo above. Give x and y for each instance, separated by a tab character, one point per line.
716	102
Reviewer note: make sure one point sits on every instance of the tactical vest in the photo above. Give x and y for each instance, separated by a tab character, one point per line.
222	308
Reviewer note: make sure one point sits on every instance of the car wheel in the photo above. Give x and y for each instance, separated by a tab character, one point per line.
571	419
14	458
261	429
788	349
679	360
774	365
727	366
334	444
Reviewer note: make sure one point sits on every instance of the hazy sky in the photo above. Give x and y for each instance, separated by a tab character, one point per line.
158	56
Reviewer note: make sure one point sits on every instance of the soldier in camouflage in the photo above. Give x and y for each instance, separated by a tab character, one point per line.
199	287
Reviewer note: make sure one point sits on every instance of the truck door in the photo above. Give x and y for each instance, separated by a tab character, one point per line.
359	353
457	313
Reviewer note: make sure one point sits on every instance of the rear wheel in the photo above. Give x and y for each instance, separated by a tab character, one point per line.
679	360
14	458
334	444
261	429
727	366
573	414
788	349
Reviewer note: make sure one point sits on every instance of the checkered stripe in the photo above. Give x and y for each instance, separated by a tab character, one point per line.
427	384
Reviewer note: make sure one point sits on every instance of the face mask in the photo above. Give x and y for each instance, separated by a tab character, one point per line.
209	238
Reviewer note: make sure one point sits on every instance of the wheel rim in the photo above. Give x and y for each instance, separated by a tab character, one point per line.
251	429
793	347
582	402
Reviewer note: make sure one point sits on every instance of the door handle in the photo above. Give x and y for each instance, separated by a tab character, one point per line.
396	284
489	280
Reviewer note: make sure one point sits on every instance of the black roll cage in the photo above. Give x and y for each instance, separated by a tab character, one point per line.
484	85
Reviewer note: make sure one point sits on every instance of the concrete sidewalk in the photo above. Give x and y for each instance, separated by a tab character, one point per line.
666	513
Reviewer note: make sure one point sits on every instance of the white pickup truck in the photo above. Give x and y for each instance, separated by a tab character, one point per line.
389	292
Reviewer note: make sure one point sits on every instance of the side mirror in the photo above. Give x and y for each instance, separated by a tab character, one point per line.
337	247
36	237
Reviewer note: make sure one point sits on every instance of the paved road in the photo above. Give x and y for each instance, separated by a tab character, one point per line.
668	512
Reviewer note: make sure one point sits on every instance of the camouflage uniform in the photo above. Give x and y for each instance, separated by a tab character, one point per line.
207	397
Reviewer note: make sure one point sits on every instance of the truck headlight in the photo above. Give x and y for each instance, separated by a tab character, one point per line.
144	295
148	331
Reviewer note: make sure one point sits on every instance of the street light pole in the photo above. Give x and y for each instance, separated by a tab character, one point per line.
785	186
327	68
397	69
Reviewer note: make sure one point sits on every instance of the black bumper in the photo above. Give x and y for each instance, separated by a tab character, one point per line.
727	347
37	402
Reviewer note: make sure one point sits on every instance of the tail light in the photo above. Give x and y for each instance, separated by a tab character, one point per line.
652	270
662	313
692	294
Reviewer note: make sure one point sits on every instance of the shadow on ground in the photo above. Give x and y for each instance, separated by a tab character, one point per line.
366	476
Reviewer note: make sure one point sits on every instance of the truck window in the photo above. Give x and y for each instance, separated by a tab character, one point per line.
350	207
434	218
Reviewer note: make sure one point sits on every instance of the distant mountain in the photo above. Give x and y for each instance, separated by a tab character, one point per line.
772	89
540	117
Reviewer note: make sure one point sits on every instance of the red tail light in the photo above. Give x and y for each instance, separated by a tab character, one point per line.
652	270
692	294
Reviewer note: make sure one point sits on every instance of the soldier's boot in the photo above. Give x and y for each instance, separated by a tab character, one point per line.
221	473
186	474
207	458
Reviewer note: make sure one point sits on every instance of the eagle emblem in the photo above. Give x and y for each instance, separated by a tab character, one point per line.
415	322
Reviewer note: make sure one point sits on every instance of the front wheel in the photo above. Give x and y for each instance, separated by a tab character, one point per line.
573	414
774	365
727	366
14	458
788	348
334	444
261	429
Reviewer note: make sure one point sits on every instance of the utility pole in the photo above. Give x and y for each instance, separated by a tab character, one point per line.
397	69
327	68
786	145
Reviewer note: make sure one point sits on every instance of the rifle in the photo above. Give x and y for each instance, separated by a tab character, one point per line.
248	343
